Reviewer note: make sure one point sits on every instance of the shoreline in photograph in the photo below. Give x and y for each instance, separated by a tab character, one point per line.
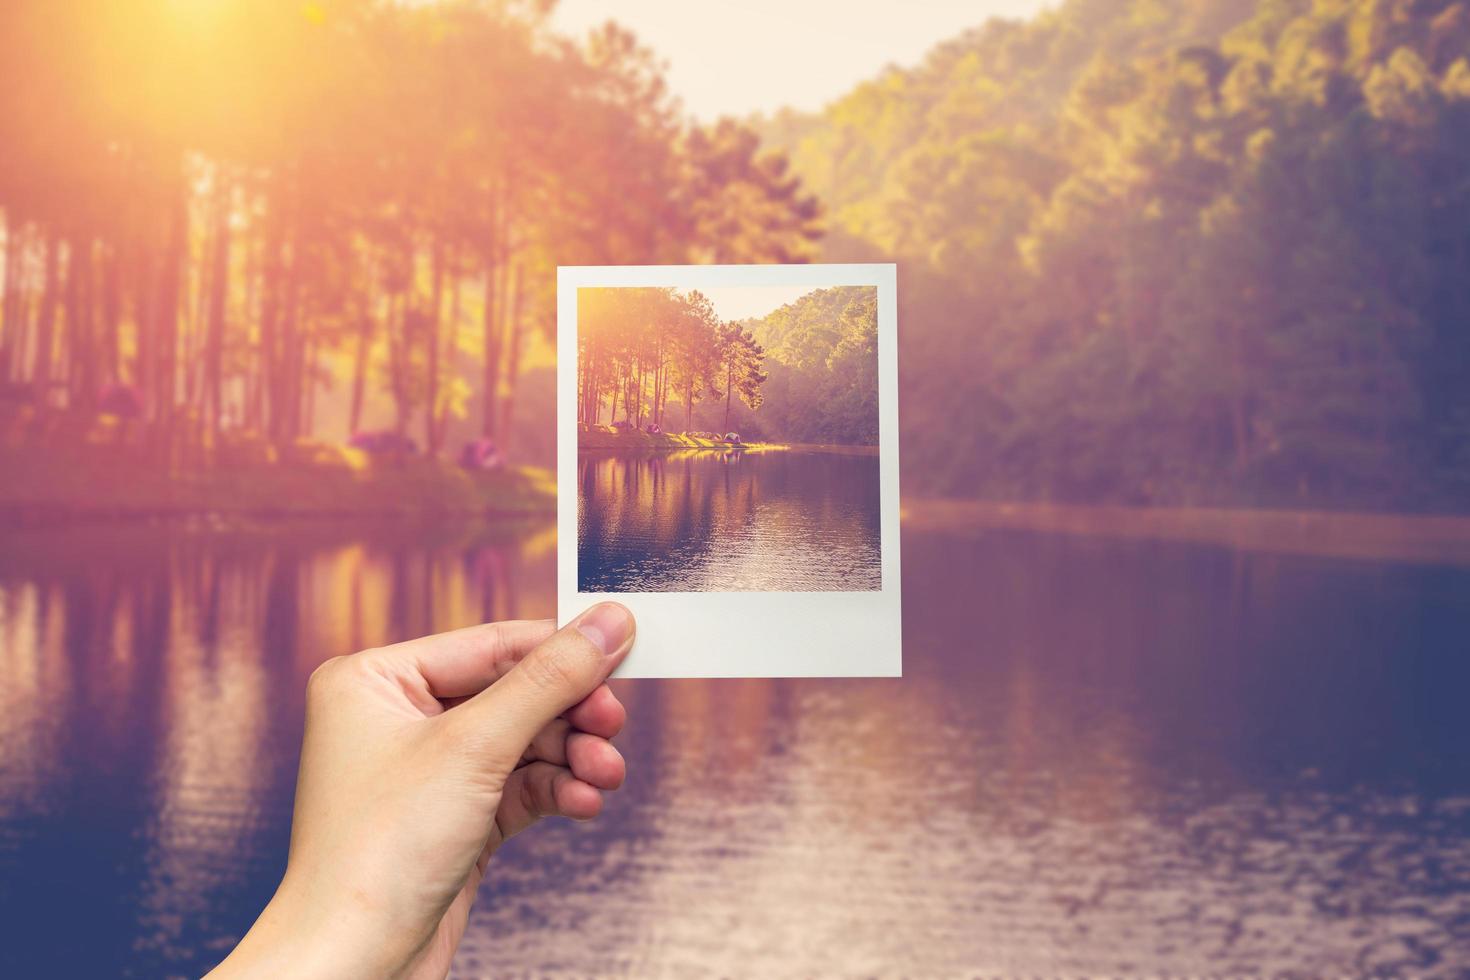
636	442
601	439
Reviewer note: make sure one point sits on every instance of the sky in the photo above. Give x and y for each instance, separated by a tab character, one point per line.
740	302
736	57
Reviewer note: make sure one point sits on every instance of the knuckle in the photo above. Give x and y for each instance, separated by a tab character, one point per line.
328	677
553	668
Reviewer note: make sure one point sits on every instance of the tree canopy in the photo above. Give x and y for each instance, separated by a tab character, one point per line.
807	372
292	218
1191	252
822	352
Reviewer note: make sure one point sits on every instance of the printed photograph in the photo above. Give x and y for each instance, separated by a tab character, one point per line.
727	439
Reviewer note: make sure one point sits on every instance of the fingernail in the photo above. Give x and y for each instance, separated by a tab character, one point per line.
606	624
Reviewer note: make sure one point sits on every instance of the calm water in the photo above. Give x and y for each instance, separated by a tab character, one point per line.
705	521
1106	758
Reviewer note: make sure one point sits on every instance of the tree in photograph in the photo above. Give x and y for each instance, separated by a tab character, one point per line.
694	345
822	357
739	368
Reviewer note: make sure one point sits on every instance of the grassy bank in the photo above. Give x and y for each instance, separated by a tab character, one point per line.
72	483
62	469
659	442
602	438
1441	539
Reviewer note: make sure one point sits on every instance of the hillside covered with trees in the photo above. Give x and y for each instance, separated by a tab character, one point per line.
1172	251
807	372
822	358
1150	251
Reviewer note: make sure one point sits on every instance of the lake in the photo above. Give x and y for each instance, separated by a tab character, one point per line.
709	521
1125	757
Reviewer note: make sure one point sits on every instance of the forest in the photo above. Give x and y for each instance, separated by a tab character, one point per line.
1184	252
279	221
807	372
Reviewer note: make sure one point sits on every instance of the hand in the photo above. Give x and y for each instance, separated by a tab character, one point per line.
419	760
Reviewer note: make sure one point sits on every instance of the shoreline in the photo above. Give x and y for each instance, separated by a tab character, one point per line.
658	442
602	441
107	484
1416	538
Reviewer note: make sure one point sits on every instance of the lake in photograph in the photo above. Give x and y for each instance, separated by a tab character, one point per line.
1105	757
728	521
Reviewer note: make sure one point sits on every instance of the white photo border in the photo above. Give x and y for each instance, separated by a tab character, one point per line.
743	634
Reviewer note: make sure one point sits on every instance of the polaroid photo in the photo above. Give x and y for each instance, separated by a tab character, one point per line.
727	465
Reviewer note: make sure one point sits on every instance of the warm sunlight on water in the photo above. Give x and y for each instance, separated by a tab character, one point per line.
703	521
1106	757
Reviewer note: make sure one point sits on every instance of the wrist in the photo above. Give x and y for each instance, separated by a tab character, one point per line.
300	934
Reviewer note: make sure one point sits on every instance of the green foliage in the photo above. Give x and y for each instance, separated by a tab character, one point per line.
229	206
739	360
807	372
822	354
1194	252
640	347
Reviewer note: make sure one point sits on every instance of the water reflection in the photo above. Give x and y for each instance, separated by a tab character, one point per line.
728	522
151	715
1105	757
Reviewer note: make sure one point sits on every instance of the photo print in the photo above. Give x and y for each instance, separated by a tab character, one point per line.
728	464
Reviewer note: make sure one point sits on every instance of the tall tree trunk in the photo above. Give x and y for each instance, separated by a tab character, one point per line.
296	341
112	313
250	381
638	405
492	351
145	364
661	390
81	332
23	310
513	358
397	353
291	366
594	393
452	339
729	390
431	338
194	332
308	397
12	334
495	255
166	307
359	371
73	336
584	392
46	318
278	321
218	290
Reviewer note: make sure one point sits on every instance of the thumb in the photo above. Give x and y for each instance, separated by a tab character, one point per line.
561	671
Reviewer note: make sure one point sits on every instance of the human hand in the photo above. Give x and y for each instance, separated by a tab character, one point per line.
419	760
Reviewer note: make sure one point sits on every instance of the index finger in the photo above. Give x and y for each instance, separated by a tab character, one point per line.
464	662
